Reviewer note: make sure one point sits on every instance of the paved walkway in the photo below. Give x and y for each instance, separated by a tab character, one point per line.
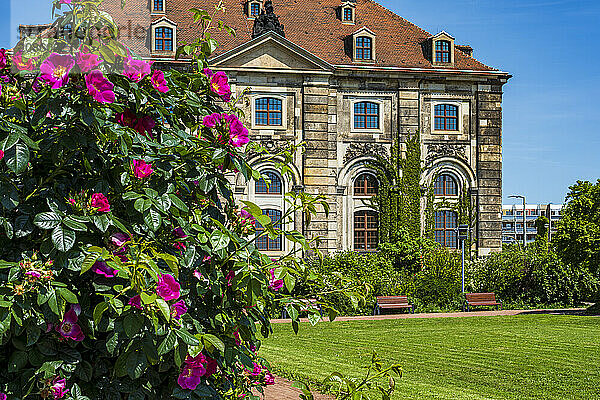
283	390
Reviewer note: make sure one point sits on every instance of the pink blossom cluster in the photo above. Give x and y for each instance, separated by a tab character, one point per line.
179	235
274	283
100	203
238	134
143	125
258	370
194	368
219	84
246	222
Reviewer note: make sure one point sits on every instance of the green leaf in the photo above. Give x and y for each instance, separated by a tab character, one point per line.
164	308
68	295
17	157
187	337
88	262
214	341
102	222
136	364
219	240
153	219
168	343
9	197
53	303
132	323
23	226
47	220
178	203
98	311
112	342
74	224
63	238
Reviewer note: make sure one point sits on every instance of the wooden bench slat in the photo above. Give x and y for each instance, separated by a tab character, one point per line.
481	299
389	302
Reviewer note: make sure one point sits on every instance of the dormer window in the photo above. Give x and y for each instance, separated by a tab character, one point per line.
158	6
442	51
253	9
363	45
364	48
164	35
346	12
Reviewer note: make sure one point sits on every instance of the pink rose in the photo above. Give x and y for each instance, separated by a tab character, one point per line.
178	309
145	125
219	84
59	387
100	202
136	301
102	268
68	328
136	70
275	284
87	61
1	154
3	61
158	81
20	64
55	69
168	288
212	120
99	87
141	169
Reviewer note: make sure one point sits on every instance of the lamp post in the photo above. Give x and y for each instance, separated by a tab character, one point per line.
518	196
549	222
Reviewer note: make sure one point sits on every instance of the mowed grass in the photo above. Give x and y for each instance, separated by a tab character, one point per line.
517	357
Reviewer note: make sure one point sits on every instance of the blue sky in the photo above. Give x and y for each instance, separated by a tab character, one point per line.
551	132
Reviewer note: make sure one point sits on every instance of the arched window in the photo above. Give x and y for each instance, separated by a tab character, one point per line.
446	117
274	187
445	185
366	227
445	225
264	242
163	39
365	185
364	48
268	111
442	51
158	5
366	115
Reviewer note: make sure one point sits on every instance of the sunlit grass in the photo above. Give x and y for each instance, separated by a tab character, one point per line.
508	357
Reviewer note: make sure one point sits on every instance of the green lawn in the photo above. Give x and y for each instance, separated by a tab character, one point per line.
520	357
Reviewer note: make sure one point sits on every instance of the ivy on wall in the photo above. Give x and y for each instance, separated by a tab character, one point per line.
400	196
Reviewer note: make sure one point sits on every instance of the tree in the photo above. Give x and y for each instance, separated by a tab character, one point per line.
577	239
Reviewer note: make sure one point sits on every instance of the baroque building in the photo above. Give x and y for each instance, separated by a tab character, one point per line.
348	78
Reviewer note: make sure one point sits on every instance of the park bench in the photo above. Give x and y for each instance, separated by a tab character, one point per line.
392	302
481	299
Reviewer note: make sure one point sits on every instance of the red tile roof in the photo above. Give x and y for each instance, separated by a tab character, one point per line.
315	26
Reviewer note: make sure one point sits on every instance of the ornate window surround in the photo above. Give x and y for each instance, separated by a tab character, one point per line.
284	107
164	22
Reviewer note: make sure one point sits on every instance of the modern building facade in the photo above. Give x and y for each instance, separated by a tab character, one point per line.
512	221
348	78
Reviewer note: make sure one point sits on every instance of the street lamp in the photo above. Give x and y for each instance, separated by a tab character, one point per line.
518	196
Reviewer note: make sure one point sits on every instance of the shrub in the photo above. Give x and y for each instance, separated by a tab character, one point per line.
127	267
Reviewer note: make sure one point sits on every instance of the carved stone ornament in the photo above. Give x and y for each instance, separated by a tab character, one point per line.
267	21
435	151
356	150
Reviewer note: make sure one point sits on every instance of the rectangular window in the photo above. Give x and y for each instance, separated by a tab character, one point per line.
446	223
264	242
164	39
366	226
442	51
347	14
268	111
254	9
158	5
366	115
446	117
364	48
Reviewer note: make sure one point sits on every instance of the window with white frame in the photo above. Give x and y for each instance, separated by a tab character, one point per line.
365	185
164	35
263	241
366	115
253	9
268	111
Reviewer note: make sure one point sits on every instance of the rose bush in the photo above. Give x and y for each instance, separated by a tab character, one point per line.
128	270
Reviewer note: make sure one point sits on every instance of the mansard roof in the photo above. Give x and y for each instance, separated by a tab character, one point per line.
315	27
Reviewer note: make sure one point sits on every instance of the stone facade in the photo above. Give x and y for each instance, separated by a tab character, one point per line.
315	73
